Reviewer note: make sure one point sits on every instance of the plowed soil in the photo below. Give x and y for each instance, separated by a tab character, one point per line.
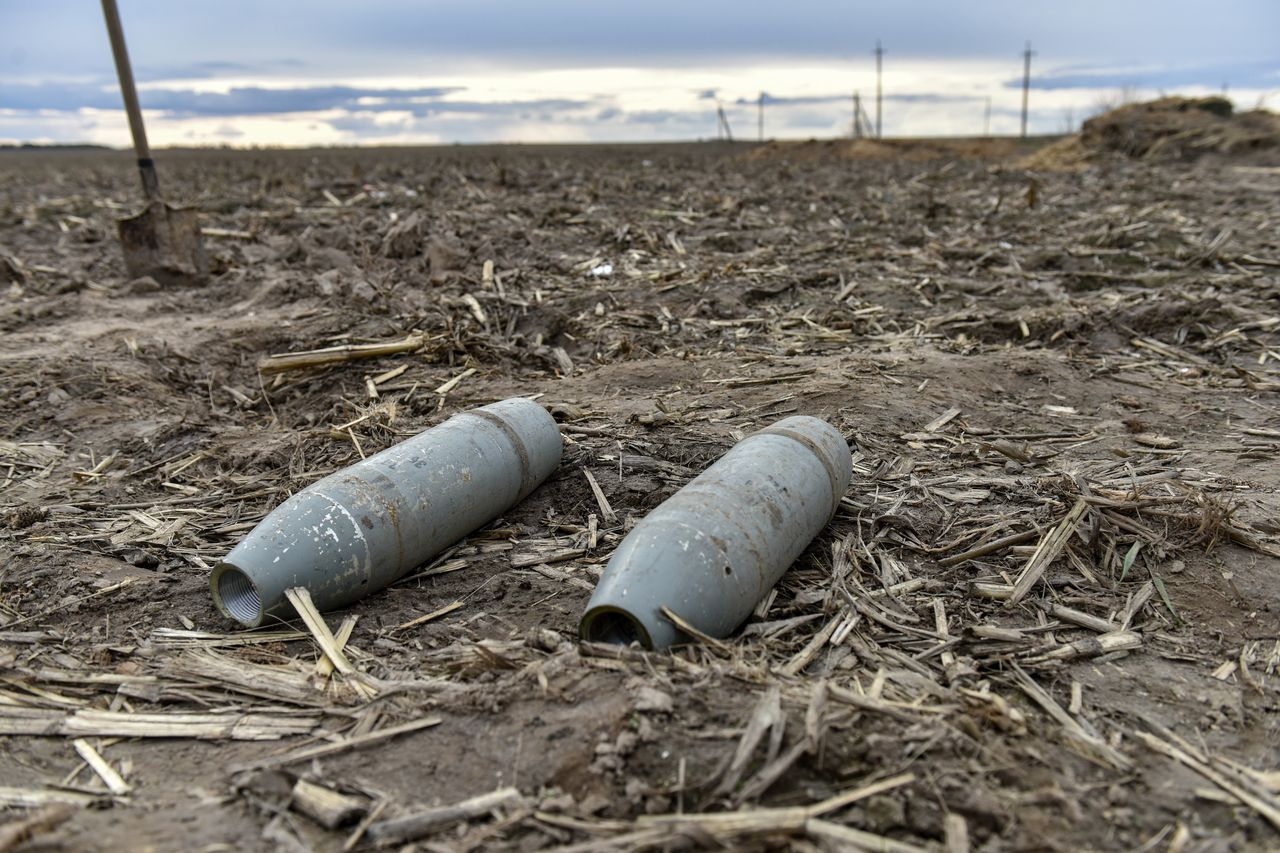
1110	336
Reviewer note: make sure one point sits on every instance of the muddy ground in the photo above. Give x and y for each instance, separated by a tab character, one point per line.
997	345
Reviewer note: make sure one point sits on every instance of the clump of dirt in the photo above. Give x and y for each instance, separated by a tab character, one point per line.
1167	129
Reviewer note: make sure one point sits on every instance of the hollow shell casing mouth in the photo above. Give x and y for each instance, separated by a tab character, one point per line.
613	625
236	595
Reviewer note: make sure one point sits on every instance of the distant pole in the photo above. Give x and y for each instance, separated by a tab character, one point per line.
760	119
1026	85
986	119
857	116
724	123
879	91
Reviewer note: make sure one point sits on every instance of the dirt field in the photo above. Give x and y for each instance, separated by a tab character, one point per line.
1067	377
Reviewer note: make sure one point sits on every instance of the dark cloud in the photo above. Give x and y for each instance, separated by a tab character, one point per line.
247	100
468	120
580	113
537	106
61	97
256	100
800	100
667	116
1252	75
618	125
924	98
813	100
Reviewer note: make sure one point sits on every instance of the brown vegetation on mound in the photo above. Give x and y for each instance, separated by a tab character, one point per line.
1167	129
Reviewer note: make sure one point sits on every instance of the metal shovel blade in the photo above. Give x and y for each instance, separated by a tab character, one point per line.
164	242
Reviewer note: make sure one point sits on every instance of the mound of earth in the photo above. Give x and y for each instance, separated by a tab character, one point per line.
1167	129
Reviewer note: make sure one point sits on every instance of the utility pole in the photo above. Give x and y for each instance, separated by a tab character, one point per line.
1026	85
879	92
857	116
724	123
986	119
760	120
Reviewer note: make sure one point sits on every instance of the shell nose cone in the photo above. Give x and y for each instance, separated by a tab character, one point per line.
310	540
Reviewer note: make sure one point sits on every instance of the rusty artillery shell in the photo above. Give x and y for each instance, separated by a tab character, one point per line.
713	550
356	531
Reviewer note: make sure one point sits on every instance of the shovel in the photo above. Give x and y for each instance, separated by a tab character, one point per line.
162	241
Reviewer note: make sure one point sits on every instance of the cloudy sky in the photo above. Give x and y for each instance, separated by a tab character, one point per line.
322	72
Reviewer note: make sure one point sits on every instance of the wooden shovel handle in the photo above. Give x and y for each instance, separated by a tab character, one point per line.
146	166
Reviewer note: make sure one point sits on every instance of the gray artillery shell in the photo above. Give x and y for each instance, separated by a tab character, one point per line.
356	531
713	550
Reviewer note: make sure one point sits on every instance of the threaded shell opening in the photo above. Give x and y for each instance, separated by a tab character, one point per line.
614	627
239	597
